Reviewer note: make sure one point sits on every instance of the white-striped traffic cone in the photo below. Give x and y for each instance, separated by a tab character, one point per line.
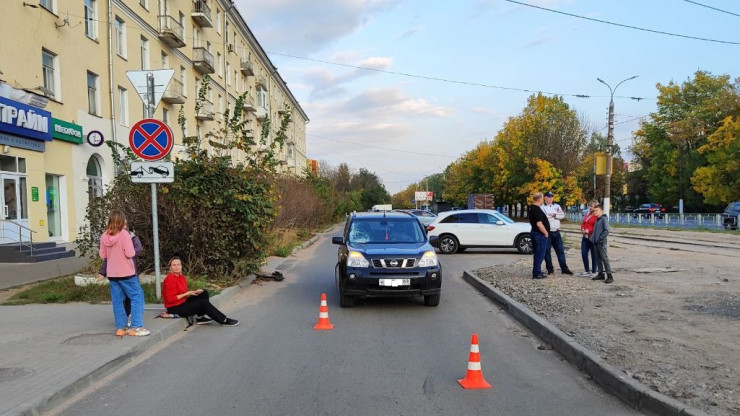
323	323
474	377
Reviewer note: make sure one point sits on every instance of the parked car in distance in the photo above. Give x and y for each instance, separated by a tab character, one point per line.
646	210
455	231
423	215
385	254
731	216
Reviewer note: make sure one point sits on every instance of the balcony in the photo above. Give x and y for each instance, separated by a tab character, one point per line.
246	67
171	32
248	103
205	112
202	14
262	81
260	113
174	93
203	61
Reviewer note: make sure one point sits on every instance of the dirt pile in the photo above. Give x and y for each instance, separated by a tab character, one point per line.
671	319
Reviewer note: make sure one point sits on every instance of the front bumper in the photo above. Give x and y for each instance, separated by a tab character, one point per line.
365	283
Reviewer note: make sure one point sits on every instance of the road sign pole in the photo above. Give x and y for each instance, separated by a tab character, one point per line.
155	218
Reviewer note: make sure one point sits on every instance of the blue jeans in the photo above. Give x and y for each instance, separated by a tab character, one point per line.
586	246
540	246
132	289
556	241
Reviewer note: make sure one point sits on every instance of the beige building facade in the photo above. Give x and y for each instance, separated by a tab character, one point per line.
65	90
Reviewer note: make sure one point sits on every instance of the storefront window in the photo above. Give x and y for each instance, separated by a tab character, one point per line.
53	211
24	197
8	164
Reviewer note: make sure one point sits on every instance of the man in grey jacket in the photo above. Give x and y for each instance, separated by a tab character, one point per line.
599	238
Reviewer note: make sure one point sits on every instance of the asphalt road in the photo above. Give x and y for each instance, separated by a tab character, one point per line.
384	356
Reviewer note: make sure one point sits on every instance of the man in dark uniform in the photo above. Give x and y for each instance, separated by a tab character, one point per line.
540	235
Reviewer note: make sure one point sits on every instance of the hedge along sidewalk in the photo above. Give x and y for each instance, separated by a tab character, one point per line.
613	380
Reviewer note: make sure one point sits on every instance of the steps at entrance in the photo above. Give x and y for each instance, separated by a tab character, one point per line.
12	253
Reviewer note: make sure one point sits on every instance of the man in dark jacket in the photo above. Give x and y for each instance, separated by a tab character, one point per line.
540	234
599	238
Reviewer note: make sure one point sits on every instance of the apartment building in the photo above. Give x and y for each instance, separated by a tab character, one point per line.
64	91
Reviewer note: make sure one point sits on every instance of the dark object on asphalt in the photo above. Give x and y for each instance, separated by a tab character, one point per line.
386	254
276	276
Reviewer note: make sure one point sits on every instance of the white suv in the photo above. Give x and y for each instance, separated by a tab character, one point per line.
455	231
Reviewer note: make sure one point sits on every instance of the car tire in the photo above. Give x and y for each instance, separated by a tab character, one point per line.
346	301
336	278
523	244
448	244
431	300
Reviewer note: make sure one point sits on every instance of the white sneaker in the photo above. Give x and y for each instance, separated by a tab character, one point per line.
584	274
139	332
593	274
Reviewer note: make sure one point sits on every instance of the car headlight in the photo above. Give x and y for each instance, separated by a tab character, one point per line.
356	259
429	259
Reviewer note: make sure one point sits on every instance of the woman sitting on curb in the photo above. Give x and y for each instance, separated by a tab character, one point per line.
183	302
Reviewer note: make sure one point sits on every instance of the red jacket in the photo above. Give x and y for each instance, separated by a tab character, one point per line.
173	285
588	223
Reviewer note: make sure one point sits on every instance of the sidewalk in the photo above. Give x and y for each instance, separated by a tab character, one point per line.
18	274
50	352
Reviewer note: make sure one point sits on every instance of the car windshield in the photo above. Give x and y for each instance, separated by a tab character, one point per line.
504	218
385	231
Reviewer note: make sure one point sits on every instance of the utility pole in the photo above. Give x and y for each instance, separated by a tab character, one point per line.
610	143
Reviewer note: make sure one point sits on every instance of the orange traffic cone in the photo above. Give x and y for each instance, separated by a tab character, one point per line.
323	322
474	377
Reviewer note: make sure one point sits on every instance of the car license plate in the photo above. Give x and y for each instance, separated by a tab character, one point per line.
394	282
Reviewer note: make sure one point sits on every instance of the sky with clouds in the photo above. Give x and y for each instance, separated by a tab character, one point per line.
405	87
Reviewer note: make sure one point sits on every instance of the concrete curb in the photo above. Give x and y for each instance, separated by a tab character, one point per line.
613	380
47	403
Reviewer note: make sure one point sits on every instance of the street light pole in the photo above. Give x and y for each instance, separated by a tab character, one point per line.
610	143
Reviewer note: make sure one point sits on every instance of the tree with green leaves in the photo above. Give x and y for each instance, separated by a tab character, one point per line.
667	144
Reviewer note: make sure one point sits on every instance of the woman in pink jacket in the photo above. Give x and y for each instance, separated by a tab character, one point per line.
117	248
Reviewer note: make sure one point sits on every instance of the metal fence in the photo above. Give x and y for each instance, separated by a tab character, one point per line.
709	221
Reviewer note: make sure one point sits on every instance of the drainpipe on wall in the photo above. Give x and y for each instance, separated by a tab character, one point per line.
110	72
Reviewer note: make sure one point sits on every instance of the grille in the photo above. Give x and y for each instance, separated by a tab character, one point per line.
394	263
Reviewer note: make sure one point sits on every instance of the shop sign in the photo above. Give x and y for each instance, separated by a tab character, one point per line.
64	130
34	193
22	143
24	120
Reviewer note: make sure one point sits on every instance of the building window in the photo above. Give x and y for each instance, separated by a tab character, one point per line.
123	106
120	37
220	64
144	53
47	4
49	64
165	61
184	79
92	93
165	116
218	21
94	179
226	32
228	73
91	26
144	4
262	98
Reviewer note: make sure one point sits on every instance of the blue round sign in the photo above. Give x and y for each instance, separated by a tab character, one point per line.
150	139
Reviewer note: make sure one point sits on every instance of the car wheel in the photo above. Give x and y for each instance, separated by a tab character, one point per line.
523	243
448	244
431	300
336	278
346	301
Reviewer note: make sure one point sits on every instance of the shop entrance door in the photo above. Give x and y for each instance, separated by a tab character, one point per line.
12	209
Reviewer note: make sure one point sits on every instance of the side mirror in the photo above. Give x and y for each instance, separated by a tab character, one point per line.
499	223
337	240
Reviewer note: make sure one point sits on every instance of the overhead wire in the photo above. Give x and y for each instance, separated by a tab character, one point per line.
660	32
710	7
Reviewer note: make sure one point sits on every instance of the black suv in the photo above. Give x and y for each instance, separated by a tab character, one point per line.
731	216
646	210
386	254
